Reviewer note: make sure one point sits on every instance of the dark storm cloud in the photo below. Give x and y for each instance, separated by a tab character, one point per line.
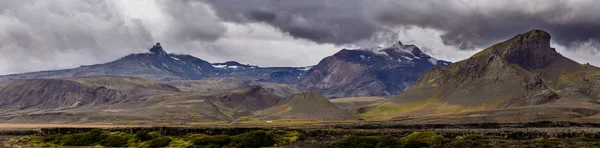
191	21
322	21
466	24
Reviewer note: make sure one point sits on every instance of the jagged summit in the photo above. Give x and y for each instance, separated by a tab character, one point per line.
158	49
530	50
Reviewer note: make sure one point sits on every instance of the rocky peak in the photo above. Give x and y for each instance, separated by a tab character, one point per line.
158	49
530	50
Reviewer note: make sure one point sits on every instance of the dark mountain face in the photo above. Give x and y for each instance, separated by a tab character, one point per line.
520	71
368	72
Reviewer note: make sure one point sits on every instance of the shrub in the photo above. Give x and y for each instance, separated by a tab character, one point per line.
191	137
83	139
366	142
472	140
143	136
159	142
114	141
218	140
414	144
252	139
421	138
387	142
154	134
54	139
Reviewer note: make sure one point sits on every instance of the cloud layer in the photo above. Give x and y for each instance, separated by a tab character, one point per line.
44	35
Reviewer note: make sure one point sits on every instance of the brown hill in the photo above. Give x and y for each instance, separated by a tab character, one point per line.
75	92
521	71
305	106
124	99
224	83
518	72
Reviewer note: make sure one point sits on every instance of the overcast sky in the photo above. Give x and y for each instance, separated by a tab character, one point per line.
55	34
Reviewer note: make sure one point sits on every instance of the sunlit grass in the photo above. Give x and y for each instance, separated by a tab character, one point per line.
422	108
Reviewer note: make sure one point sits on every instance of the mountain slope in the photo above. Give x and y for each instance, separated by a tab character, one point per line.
305	106
123	99
521	71
512	72
368	72
62	93
154	65
225	83
520	79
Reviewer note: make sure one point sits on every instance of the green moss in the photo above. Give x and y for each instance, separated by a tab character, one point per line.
159	142
92	137
366	142
418	138
114	141
284	137
471	140
357	142
252	139
219	140
143	136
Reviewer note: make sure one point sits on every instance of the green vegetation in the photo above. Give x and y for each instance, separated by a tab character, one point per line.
472	140
143	136
99	137
159	142
114	141
416	139
419	139
212	141
366	142
431	106
253	139
278	138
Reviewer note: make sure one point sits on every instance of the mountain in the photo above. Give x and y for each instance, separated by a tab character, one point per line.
305	106
161	66
225	83
154	65
284	75
62	93
124	99
368	72
522	75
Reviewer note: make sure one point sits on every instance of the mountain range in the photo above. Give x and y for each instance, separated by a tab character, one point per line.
377	72
520	79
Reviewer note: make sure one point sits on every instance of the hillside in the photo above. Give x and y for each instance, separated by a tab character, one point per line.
63	93
368	72
305	106
124	99
519	72
224	83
